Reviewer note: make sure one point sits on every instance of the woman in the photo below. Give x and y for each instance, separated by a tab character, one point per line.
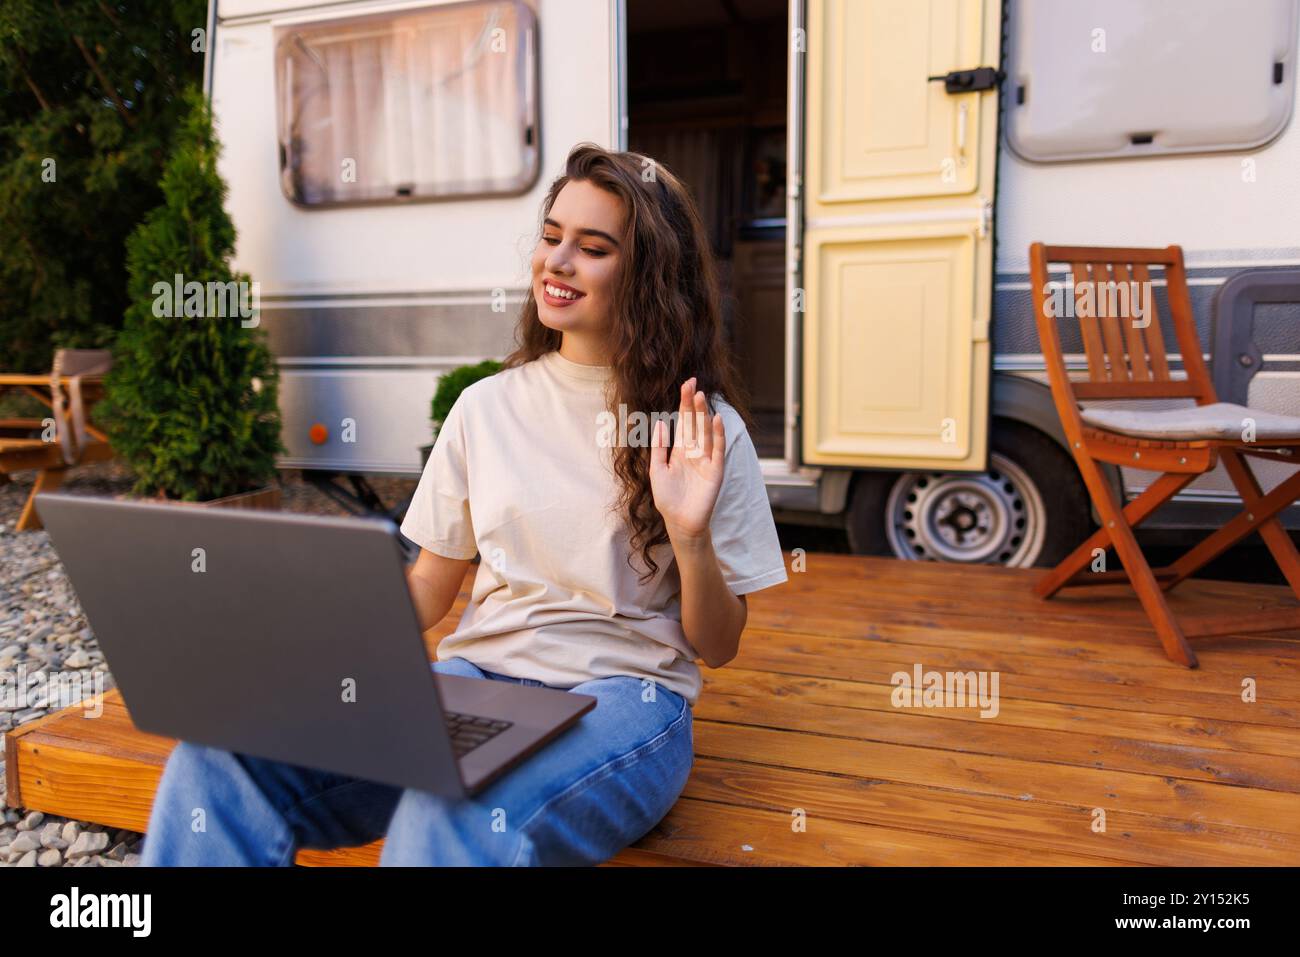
615	553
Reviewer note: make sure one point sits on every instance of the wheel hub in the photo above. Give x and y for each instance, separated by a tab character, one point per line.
994	517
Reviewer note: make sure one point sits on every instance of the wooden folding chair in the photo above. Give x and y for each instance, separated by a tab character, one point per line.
1126	360
23	444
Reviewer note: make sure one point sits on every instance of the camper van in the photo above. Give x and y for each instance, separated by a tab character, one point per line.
872	173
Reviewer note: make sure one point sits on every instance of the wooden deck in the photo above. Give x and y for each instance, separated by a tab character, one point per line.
1092	719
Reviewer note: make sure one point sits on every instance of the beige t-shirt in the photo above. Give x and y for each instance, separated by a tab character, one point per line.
522	473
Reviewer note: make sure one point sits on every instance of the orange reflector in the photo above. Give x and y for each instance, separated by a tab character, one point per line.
319	434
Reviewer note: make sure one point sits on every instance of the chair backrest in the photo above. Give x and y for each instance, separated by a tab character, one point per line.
82	361
73	364
1109	293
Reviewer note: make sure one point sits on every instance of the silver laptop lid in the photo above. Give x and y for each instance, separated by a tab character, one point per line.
284	636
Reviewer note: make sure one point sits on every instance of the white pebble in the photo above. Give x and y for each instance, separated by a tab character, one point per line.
24	842
78	659
88	844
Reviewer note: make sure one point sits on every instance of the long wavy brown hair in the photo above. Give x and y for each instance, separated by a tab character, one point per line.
667	317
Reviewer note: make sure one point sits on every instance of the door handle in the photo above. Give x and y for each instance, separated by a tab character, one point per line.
970	81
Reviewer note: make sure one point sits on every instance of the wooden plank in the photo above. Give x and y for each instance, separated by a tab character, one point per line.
1098	611
365	856
1038	685
43	380
694	831
1134	343
1115	634
21	425
1129	441
998	776
935	591
368	856
734	684
920	727
640	857
851	574
1180	310
1089	329
889	648
58	777
1154	335
1288	618
1094	654
50	456
1162	389
1086	578
1069	828
725	834
1110	324
1129	254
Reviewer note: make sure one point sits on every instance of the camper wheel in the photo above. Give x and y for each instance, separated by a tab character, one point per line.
1028	508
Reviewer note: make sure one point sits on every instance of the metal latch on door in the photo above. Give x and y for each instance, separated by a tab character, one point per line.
971	81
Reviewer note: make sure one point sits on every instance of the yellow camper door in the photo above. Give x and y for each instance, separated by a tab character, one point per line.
897	247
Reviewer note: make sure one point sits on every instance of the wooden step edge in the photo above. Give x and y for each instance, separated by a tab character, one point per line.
28	752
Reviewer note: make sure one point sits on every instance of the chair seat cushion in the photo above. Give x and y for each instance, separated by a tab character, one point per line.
1219	420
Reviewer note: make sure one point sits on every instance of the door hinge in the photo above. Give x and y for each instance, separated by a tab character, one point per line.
971	81
986	219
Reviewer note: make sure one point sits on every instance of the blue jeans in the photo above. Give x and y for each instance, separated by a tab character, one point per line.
598	787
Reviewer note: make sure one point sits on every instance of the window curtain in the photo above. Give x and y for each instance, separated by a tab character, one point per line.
422	104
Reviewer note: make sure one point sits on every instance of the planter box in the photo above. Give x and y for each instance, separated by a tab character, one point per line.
267	497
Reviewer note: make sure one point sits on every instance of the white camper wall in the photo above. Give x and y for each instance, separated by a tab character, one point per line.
1206	202
425	246
369	305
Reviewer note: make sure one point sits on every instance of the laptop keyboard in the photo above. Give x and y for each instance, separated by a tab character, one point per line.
468	731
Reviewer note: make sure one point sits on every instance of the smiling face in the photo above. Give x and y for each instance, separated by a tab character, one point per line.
577	258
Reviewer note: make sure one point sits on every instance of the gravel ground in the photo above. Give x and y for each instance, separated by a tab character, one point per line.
42	629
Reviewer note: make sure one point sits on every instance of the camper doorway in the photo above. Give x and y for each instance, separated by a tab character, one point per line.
706	96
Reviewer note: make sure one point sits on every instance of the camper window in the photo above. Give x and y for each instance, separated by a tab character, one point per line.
424	104
1115	79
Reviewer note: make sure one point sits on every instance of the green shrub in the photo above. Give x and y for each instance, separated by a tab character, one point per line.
451	385
191	404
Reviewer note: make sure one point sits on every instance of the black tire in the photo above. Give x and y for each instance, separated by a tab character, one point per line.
864	519
1066	506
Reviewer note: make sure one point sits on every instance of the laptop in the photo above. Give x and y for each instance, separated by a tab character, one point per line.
290	637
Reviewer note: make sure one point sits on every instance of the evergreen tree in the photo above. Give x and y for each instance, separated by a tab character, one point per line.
192	401
89	102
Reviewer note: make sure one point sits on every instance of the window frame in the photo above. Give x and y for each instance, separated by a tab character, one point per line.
1033	152
530	97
